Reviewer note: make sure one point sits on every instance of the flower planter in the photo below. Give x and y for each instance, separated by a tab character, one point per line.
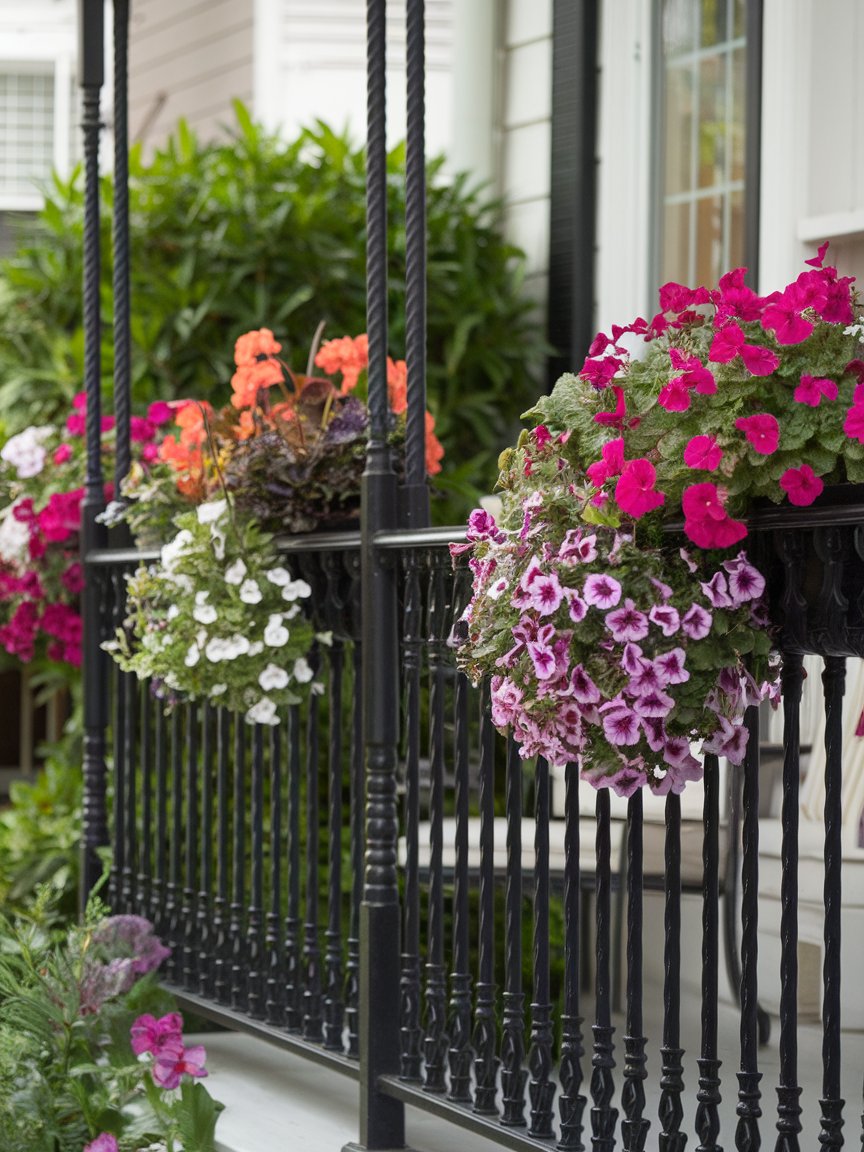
813	559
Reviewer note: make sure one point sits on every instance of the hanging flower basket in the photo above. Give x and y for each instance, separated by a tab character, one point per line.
723	400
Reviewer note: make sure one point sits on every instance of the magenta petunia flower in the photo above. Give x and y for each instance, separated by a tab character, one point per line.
759	361
730	740
706	521
576	606
601	591
543	659
627	623
582	687
576	549
726	345
853	426
655	705
666	618
762	432
674	396
632	659
635	492
621	725
782	315
812	388
150	1035
647	679
174	1062
696	622
801	485
104	1143
671	665
545	594
703	452
615	418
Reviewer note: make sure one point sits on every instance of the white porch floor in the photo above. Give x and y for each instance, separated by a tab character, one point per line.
278	1101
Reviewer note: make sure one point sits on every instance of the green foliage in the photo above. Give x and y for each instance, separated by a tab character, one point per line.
257	232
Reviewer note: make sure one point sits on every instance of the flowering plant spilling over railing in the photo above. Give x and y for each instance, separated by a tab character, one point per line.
220	616
41	488
289	448
92	1052
607	641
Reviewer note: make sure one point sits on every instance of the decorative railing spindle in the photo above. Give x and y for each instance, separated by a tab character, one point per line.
120	222
708	1096
273	1000
129	737
459	1019
175	852
203	903
145	857
191	943
334	1007
352	964
671	1113
747	1135
435	1040
634	1127
412	642
161	882
834	680
603	1116
238	869
788	1090
541	1088
312	1022
485	1036
513	1076
293	975
571	1102
255	911
120	685
221	960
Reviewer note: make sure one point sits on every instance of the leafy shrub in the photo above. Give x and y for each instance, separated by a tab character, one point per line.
255	232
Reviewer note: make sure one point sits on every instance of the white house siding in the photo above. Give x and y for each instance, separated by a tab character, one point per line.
526	132
311	64
188	58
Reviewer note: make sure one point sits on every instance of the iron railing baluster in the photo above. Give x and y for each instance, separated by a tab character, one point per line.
238	869
541	1088
191	943
513	1075
352	965
222	947
603	1116
204	900
485	1036
118	820
571	1101
120	225
412	642
435	1039
834	681
293	974
160	886
459	1016
671	1113
312	1020
274	1008
747	1136
708	1096
145	850
634	1126
334	1006
255	910
129	736
175	851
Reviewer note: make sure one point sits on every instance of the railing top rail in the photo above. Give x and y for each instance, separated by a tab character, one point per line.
422	537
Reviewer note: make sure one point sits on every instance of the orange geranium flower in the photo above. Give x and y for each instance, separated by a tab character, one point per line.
246	427
349	355
181	457
192	419
251	345
397	385
249	379
434	447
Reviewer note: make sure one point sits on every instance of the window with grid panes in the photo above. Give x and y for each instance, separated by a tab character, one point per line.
26	133
702	64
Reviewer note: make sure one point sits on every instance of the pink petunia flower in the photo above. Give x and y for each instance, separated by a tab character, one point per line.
674	396
621	725
853	425
746	583
104	1143
582	687
726	345
801	485
62	453
151	1035
706	521
759	361
762	432
703	452
601	591
545	594
717	591
666	618
782	316
696	622
627	623
671	664
610	464
173	1062
635	492
576	606
730	740
811	389
655	705
632	659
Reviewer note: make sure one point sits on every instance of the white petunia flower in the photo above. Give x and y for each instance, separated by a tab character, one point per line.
296	590
216	649
192	656
201	597
325	638
293	611
14	541
302	671
255	648
235	573
275	634
250	593
273	677
25	452
174	549
205	614
264	712
279	576
212	511
218	689
218	538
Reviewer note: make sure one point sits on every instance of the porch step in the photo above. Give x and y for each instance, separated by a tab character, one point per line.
275	1101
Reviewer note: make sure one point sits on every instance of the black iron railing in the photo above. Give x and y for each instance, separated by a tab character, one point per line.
378	882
